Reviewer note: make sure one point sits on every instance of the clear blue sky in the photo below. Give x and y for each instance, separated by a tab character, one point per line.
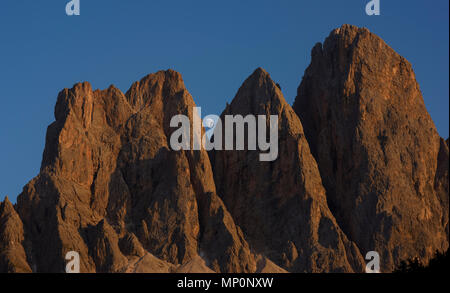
214	44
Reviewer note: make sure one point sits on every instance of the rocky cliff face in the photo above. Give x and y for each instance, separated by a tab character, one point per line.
376	146
441	182
360	167
108	177
12	254
281	205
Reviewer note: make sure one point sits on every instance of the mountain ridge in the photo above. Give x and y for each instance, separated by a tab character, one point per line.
111	188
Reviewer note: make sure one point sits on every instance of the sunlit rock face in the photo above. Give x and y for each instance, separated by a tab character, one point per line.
109	177
12	254
359	168
281	205
376	146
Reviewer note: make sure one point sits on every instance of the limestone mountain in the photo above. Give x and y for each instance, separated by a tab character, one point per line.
360	168
376	146
111	189
281	206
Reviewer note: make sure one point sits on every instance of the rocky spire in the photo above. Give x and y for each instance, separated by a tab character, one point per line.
108	171
281	205
375	144
360	168
12	254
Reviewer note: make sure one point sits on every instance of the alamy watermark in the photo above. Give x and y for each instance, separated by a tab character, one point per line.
73	8
229	135
73	264
373	264
373	8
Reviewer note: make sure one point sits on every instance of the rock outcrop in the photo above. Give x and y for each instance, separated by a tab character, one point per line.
360	168
376	146
110	187
441	182
12	254
281	206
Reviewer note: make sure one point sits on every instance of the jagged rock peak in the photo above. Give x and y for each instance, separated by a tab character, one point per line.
12	254
168	81
376	146
257	89
6	207
108	173
289	221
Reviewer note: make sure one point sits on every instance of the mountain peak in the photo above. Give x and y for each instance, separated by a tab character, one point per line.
259	72
108	172
6	207
12	253
367	125
281	190
162	84
256	95
362	170
348	29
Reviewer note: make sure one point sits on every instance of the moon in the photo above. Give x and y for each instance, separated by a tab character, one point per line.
208	123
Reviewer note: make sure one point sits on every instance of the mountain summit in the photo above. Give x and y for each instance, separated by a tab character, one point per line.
360	168
111	189
281	206
376	146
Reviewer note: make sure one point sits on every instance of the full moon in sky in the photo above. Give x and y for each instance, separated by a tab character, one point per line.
208	122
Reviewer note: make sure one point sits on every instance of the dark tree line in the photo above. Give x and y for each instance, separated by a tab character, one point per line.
439	264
